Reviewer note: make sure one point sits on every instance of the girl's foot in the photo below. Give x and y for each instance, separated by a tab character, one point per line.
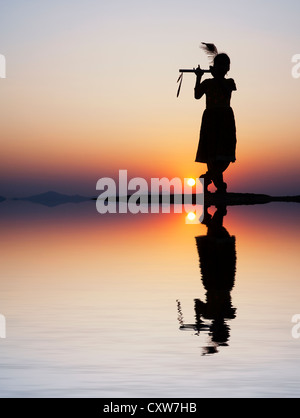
222	189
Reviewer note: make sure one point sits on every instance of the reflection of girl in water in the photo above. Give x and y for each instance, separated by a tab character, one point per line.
217	257
218	132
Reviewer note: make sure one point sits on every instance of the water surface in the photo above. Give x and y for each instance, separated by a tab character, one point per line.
136	305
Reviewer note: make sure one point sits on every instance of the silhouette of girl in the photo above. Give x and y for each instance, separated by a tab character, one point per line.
217	141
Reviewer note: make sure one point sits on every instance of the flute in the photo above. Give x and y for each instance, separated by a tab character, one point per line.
192	71
187	71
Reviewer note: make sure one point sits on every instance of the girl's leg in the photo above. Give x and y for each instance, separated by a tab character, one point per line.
215	172
207	179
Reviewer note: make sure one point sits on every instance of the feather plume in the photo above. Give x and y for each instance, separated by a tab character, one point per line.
210	49
180	78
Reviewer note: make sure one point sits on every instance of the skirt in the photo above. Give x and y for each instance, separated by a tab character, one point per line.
217	136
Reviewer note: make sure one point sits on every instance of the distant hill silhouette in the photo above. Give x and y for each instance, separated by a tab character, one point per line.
2	198
229	199
52	198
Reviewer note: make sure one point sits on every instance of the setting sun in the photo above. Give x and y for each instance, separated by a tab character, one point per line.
191	182
191	216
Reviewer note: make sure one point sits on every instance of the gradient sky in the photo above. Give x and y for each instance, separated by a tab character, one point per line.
91	89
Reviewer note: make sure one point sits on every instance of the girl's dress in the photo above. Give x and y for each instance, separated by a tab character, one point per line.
218	131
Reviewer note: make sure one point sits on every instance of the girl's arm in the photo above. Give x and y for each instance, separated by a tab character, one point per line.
199	88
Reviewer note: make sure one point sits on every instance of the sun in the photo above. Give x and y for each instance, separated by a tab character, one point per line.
191	182
191	216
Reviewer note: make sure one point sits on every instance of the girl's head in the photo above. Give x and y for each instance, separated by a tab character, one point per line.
221	65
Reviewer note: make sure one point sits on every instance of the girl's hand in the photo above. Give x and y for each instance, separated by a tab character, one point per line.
198	71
